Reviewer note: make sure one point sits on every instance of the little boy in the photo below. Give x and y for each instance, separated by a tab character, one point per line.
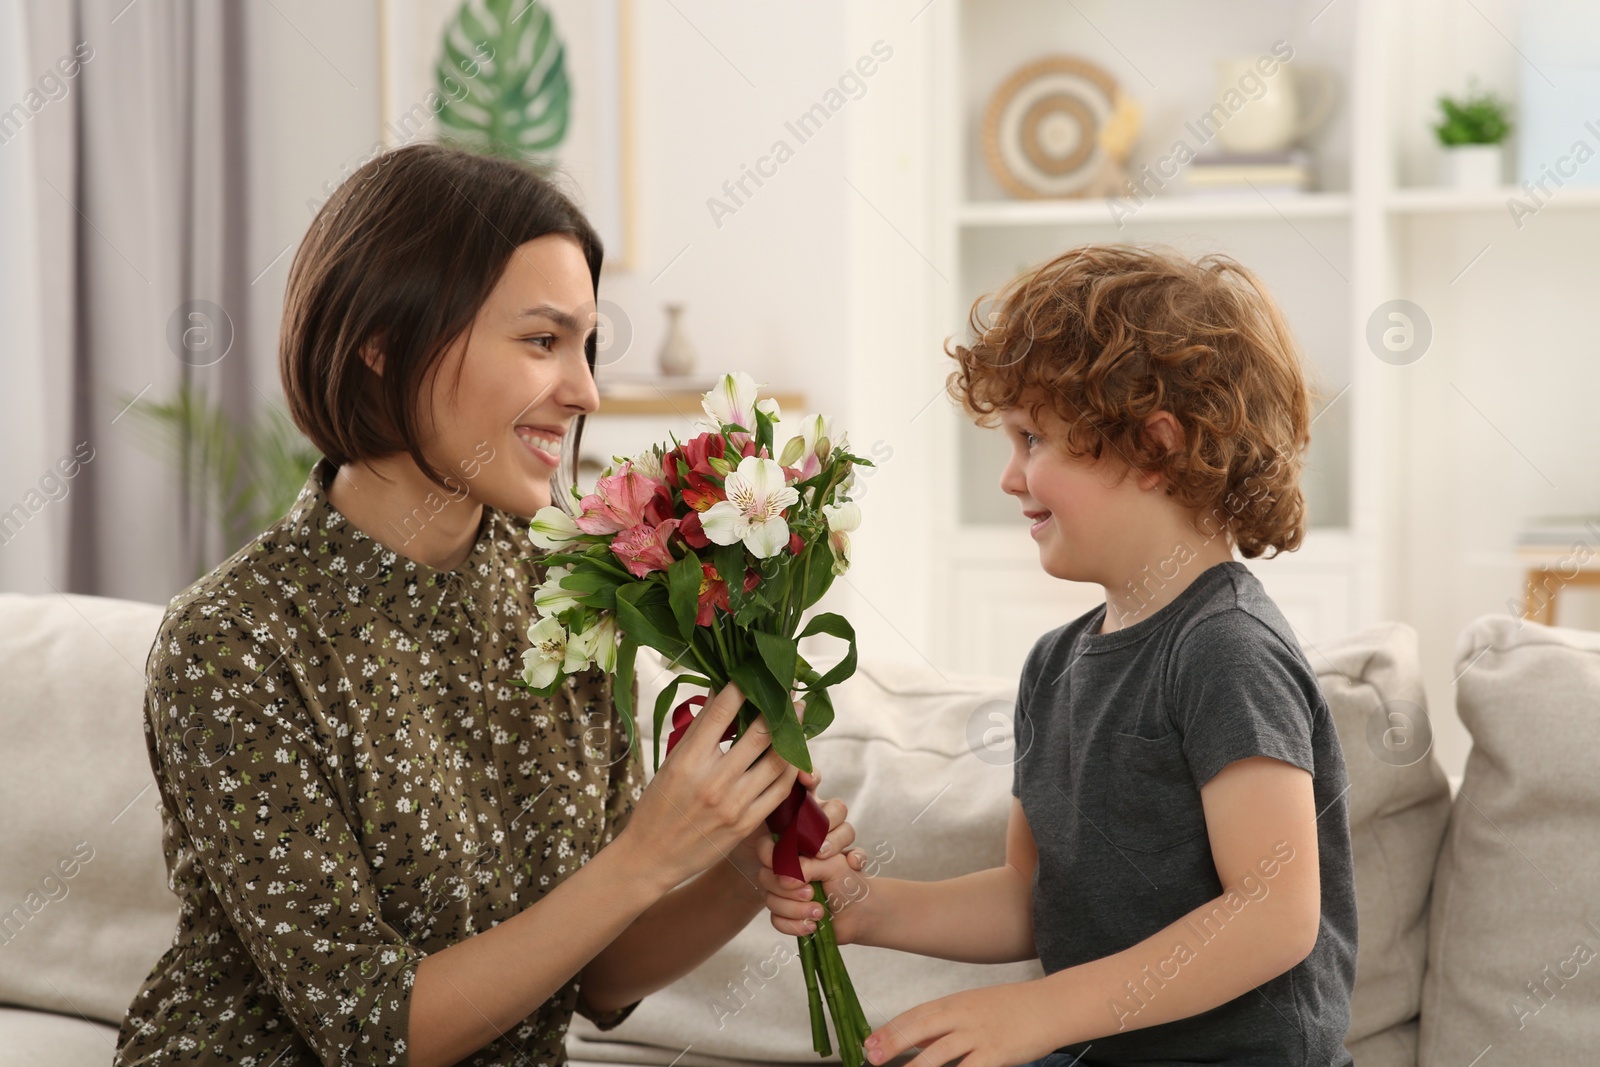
1178	854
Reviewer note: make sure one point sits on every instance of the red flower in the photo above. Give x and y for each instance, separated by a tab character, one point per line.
713	594
693	533
643	548
751	579
796	544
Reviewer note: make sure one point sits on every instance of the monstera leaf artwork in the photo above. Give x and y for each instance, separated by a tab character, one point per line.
503	77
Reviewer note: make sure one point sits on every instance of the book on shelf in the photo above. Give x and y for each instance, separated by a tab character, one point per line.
1286	171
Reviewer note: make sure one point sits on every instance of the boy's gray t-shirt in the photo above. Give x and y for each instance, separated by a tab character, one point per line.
1115	735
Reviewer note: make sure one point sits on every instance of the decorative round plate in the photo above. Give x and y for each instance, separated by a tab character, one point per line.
1041	133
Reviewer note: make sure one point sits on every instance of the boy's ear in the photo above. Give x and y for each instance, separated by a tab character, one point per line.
1163	428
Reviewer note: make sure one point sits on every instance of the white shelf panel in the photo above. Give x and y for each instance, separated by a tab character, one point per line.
1166	209
1427	201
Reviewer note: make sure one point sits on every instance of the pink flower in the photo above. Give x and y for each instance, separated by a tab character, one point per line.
617	503
642	548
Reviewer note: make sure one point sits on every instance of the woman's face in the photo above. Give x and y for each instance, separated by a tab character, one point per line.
523	380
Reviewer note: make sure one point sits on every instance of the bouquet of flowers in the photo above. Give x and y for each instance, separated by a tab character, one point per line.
710	552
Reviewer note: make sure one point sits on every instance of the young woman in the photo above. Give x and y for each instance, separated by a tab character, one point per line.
385	852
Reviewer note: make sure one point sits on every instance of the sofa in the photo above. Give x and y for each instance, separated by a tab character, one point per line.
1478	908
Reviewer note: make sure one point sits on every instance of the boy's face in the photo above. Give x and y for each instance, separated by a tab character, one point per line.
1081	510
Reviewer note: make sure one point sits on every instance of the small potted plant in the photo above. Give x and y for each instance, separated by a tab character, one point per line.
1471	133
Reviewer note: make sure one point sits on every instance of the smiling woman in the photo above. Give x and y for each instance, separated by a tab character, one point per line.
384	851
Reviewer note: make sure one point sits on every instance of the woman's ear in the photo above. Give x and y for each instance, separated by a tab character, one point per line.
373	357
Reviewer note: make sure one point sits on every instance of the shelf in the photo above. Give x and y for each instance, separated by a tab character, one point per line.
1430	201
1155	210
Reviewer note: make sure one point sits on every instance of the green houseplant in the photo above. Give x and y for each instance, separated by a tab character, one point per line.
1471	130
244	476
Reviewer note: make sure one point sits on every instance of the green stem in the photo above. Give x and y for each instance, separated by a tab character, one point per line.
819	1025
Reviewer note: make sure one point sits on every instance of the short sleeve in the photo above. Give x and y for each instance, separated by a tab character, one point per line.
1238	691
624	785
241	771
1022	720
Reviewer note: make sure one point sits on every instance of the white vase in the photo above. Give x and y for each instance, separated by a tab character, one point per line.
1471	166
677	354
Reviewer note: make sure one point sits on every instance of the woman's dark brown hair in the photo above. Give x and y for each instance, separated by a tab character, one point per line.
1105	335
401	258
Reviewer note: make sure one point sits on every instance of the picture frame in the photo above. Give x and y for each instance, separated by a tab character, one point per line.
594	159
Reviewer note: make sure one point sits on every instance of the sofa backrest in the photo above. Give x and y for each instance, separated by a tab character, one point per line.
1514	929
84	906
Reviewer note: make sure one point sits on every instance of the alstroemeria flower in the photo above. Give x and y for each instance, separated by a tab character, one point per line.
643	548
550	597
800	451
694	534
597	643
551	652
842	518
733	400
647	463
713	595
618	502
552	528
753	512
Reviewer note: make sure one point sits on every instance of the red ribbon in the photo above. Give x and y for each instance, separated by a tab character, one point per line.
799	821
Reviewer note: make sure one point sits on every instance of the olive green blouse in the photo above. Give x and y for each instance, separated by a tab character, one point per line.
349	782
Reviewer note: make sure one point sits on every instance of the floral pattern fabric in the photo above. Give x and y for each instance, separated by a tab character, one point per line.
349	782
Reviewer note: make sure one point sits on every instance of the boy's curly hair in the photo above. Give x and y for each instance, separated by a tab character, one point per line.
1105	335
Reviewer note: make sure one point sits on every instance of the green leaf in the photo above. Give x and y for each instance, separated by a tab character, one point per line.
622	686
763	431
779	654
502	78
642	613
683	590
828	622
772	699
819	572
819	712
664	705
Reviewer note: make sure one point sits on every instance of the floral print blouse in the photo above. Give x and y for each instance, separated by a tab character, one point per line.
349	783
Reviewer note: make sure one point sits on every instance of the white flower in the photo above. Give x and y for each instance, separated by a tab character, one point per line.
551	597
733	400
550	654
647	463
753	512
552	528
800	451
597	643
842	518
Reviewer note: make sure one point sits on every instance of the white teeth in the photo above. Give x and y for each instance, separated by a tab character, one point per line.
551	445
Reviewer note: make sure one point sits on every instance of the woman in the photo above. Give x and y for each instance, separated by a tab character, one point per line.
387	853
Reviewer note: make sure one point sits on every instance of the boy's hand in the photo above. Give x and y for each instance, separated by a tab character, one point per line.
999	1026
837	866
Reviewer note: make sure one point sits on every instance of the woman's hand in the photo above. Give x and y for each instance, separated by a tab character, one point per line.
837	866
704	802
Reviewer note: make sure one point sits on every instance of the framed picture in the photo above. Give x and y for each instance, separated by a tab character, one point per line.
564	65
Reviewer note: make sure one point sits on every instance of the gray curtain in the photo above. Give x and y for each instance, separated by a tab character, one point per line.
141	205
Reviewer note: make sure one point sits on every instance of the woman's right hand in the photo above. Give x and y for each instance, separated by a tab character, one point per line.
704	802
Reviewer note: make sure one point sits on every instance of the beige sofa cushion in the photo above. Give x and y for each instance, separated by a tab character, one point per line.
1399	803
925	808
84	890
1514	934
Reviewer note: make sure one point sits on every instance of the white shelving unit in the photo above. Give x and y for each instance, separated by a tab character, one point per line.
1317	251
1422	474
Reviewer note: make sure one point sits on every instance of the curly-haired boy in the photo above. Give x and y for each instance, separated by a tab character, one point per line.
1178	855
